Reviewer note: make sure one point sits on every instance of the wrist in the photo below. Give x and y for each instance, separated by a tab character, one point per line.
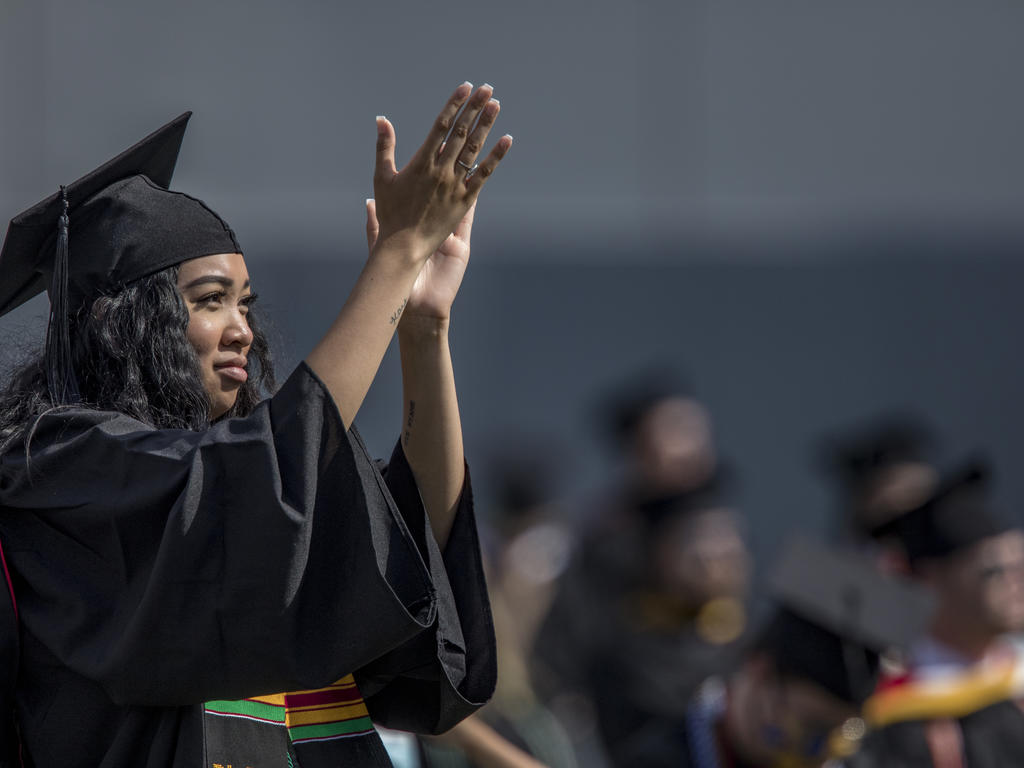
413	327
402	248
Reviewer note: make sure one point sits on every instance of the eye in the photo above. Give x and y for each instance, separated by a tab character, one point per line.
246	302
990	572
210	298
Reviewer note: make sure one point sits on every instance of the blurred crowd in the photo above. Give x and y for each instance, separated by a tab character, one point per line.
629	634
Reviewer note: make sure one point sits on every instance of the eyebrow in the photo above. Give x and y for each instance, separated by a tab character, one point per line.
227	282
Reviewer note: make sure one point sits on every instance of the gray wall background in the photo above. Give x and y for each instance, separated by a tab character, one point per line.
811	206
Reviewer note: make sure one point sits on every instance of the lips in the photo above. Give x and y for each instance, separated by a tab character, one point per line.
233	368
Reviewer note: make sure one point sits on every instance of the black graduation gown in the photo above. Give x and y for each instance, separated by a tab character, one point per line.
639	679
992	737
158	569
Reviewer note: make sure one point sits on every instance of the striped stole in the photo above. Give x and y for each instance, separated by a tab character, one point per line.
324	714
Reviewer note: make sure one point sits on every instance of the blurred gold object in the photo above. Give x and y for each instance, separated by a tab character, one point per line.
721	620
845	740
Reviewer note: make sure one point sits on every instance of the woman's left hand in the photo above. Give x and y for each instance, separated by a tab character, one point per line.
438	282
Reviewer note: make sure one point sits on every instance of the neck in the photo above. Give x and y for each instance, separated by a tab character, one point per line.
967	638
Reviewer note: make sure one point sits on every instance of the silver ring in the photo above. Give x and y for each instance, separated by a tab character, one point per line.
470	169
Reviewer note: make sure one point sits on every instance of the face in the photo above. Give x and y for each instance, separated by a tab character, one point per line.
776	720
673	446
217	293
985	584
700	556
897	489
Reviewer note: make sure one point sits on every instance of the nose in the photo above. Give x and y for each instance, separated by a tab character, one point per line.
237	332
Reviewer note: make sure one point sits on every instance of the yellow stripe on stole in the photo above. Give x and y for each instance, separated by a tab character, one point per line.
277	699
315	714
326	715
956	696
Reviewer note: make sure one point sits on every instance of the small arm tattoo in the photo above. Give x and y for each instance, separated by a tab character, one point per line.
398	312
409	420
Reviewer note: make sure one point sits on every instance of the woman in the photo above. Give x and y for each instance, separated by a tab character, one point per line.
179	551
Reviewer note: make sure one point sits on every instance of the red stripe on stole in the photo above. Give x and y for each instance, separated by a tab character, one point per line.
323	698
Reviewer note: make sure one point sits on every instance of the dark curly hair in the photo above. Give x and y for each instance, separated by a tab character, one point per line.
132	355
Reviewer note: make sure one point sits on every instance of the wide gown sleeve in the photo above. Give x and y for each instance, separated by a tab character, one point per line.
265	554
439	677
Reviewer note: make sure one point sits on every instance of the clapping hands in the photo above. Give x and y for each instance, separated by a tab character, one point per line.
421	205
430	203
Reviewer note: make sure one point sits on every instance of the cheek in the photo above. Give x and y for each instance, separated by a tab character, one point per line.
1005	598
201	335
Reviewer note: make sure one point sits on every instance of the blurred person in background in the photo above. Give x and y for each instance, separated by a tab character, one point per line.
881	471
526	546
959	702
662	433
793	701
678	623
623	637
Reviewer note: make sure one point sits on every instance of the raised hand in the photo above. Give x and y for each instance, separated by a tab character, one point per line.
421	205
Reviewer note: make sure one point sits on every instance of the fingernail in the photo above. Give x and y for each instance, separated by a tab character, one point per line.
487	85
467	83
381	120
369	200
508	136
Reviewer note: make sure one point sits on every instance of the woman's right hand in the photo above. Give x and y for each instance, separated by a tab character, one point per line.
419	206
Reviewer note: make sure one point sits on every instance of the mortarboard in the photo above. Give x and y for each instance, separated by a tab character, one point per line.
958	515
835	615
116	224
857	455
717	491
626	404
858	459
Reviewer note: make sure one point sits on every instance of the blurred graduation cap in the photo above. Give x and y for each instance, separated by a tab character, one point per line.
622	408
836	614
956	516
114	225
716	492
860	458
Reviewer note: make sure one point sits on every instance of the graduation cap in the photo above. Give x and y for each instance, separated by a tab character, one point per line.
717	491
859	459
624	407
835	615
114	225
956	516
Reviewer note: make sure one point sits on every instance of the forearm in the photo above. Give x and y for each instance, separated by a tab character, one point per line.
431	428
486	747
347	358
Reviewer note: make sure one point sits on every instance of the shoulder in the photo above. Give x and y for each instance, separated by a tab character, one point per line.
56	426
954	692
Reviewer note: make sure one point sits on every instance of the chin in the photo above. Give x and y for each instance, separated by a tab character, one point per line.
220	407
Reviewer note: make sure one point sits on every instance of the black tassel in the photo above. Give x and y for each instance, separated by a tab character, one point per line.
60	373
